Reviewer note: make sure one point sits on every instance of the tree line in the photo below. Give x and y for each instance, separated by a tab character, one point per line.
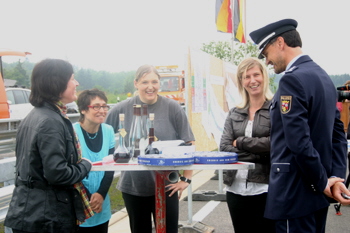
116	84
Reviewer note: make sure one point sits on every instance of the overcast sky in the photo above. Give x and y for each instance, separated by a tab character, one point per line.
122	34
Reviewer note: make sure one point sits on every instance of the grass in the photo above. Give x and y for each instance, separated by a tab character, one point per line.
117	202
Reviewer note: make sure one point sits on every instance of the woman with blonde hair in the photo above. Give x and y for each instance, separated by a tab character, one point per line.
247	132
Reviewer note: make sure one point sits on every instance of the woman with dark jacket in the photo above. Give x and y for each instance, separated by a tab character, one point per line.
49	196
247	132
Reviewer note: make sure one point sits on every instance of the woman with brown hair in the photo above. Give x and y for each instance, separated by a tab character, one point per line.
49	195
138	187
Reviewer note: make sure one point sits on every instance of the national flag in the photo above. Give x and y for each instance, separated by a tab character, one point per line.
239	11
223	16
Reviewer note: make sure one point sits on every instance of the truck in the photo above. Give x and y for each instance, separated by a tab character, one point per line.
4	103
172	83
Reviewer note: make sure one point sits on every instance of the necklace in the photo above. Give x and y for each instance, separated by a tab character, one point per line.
93	137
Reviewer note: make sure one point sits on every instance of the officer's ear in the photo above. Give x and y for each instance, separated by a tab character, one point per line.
280	41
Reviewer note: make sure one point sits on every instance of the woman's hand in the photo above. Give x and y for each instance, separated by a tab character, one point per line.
96	202
179	186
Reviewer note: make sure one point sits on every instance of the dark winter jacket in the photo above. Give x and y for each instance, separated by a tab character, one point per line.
254	149
44	199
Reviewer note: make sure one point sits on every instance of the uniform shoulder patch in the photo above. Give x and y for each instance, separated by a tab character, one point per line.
286	103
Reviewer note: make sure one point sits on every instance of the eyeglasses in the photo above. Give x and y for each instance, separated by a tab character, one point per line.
98	107
263	53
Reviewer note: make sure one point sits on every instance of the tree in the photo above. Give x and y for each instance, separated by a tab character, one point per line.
223	50
17	73
219	49
129	83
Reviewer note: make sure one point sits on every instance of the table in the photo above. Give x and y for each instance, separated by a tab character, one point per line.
161	175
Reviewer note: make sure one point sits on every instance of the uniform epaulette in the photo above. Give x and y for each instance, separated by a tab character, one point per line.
291	69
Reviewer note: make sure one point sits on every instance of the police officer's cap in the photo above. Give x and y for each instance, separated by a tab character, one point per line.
264	35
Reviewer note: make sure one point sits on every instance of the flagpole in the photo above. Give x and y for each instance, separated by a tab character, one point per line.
245	25
245	21
233	32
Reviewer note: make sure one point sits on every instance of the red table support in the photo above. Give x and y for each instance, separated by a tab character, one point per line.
160	202
161	175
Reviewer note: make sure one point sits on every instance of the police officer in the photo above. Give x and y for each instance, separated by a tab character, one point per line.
308	144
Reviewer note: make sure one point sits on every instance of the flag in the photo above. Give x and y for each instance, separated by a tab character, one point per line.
239	10
223	16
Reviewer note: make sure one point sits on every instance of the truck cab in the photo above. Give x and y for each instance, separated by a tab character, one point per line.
4	104
172	83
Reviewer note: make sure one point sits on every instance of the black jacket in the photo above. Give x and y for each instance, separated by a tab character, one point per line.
44	199
254	149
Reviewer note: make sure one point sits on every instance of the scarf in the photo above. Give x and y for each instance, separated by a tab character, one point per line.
78	186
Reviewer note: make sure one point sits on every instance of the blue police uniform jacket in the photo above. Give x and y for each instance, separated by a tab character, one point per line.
308	143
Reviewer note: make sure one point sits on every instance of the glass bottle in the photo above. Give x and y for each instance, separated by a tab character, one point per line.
121	154
151	136
136	133
129	143
144	130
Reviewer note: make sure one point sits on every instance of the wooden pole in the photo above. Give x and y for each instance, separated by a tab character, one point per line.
344	115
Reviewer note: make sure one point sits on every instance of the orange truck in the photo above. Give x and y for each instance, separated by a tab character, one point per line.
172	83
4	105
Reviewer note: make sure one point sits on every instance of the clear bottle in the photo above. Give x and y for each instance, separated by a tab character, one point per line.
144	130
136	133
121	154
129	143
145	120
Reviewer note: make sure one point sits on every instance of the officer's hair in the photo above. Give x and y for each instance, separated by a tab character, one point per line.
291	38
242	69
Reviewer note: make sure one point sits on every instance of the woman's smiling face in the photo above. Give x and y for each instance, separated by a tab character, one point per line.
148	86
253	81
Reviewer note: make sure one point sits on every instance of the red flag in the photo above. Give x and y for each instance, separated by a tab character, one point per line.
224	18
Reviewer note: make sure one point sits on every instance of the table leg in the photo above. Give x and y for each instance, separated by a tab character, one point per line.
160	203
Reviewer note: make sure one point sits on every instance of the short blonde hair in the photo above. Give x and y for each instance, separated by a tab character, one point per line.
242	69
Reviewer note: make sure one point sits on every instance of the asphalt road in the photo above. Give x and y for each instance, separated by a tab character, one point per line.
219	217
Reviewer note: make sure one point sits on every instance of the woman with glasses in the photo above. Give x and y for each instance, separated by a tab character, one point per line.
97	141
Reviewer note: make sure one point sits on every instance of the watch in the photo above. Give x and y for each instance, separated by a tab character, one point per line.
182	178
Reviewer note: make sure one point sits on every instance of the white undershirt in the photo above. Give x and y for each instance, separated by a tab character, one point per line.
239	185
